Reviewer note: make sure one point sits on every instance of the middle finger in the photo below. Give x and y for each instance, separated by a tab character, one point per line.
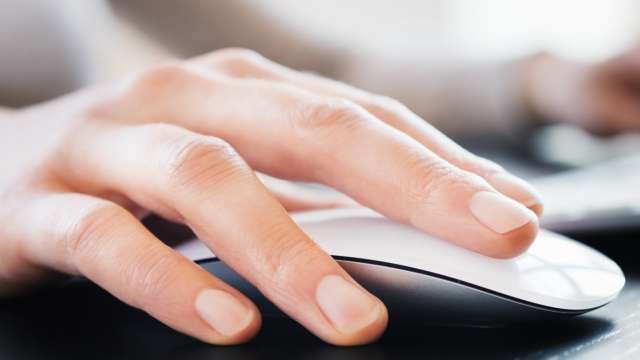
246	64
292	133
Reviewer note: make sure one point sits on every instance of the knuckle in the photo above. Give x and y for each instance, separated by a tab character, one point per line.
239	61
167	80
153	276
333	114
431	176
284	256
91	227
199	159
240	55
150	94
171	73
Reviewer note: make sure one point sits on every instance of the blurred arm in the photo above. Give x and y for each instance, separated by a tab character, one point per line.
459	97
193	27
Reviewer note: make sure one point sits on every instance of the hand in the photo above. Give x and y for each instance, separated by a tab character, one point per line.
603	98
183	141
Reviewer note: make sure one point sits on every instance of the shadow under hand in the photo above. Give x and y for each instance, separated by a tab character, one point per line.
80	320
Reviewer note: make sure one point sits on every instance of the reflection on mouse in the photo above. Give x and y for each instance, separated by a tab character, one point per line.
422	278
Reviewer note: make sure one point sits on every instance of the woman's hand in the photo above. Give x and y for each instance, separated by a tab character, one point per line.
603	97
183	141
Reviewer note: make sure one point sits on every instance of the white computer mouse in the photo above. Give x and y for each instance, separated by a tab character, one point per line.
422	278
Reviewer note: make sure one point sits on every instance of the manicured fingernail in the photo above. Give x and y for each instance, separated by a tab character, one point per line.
516	189
498	212
348	307
223	312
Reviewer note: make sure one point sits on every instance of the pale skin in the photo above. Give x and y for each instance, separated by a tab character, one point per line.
185	141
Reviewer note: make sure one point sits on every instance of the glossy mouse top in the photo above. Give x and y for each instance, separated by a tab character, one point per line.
554	273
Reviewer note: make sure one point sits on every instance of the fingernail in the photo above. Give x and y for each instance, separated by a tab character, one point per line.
498	212
223	312
516	188
348	307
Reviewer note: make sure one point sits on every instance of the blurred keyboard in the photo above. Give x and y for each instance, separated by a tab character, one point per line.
601	197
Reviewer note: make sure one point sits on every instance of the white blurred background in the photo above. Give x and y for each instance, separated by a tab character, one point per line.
105	46
585	29
488	29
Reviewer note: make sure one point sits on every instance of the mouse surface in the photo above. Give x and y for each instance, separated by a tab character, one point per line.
425	279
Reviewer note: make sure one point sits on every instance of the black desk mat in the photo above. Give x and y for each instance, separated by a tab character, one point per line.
79	320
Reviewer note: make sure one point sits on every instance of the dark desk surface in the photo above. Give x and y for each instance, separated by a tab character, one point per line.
79	320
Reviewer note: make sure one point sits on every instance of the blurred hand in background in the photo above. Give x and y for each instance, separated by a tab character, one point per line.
603	97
